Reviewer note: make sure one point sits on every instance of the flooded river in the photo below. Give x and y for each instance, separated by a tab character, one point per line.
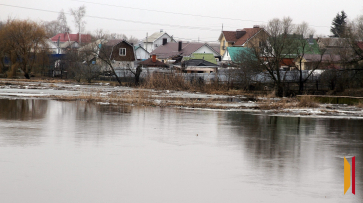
54	151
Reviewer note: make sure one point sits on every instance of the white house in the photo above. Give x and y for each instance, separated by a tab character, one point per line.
141	53
155	40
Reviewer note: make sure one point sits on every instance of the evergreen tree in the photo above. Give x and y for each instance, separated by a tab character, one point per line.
339	25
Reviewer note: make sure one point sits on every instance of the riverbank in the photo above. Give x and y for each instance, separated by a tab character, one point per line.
104	93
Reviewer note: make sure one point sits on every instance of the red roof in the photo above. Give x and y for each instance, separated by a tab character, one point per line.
65	37
231	36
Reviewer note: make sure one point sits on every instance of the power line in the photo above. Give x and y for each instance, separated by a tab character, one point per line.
175	13
168	12
115	19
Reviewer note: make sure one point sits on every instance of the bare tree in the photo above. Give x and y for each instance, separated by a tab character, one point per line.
62	20
104	54
270	50
78	15
354	39
57	26
302	46
100	34
132	40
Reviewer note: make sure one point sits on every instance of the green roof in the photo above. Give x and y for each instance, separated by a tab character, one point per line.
237	53
207	57
305	46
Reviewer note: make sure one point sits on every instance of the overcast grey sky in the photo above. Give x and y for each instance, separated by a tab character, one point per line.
187	19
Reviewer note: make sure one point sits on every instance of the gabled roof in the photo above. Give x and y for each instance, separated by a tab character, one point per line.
198	62
114	42
170	50
205	56
237	40
332	42
305	46
68	44
140	47
324	58
236	53
216	47
65	37
155	36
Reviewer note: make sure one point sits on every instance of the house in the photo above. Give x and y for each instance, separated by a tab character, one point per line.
120	52
66	37
325	61
157	39
176	51
66	46
141	53
52	48
207	57
246	37
300	47
235	55
196	66
152	62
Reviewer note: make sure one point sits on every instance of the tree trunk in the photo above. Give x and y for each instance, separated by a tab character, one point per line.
301	82
117	78
280	91
137	75
26	75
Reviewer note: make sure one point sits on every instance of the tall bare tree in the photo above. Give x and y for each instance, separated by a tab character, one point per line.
57	26
271	50
62	20
78	16
305	44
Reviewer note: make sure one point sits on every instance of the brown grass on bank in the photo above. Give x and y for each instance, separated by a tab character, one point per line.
358	92
166	81
307	101
178	83
285	103
279	104
359	105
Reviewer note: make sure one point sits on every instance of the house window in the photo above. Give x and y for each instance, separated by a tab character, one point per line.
122	51
156	45
224	45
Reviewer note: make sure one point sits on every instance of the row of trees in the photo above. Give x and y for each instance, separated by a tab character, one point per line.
285	41
24	43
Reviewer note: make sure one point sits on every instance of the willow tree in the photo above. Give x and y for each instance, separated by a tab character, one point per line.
23	40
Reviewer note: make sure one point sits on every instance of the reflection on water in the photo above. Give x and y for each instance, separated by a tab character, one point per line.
22	109
79	152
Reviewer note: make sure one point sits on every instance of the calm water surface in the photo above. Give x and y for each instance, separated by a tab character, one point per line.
52	151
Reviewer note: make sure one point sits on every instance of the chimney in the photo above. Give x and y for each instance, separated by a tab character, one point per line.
256	26
153	58
180	44
165	41
240	33
161	30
